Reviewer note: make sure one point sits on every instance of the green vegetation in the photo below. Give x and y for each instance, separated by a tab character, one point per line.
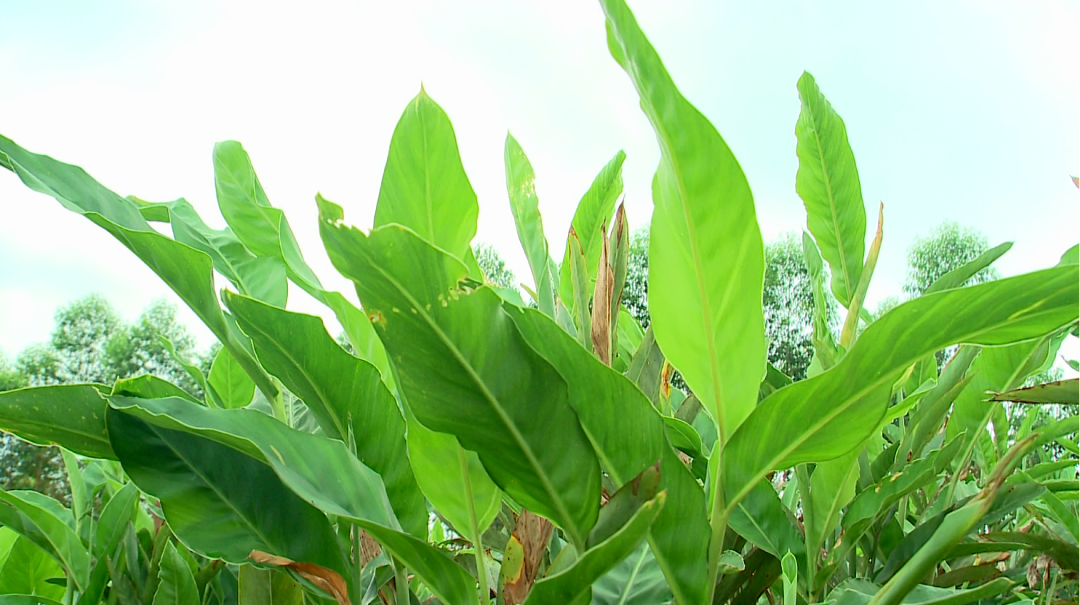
476	448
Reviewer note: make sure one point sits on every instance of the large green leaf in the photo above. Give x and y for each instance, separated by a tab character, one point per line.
465	370
626	432
828	183
637	580
260	277
176	584
220	502
454	480
25	513
320	471
826	416
705	251
424	186
679	538
569	584
114	519
346	395
72	416
186	270
524	205
592	214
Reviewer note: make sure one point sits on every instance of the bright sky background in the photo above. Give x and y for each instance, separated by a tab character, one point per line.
961	111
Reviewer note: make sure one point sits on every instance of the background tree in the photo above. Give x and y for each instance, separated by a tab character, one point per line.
90	343
494	267
947	247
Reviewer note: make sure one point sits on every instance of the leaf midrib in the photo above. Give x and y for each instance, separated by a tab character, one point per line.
488	396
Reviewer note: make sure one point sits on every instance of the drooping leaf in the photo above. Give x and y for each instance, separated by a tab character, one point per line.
176	584
525	206
856	591
424	186
72	416
217	500
325	579
36	520
828	183
230	382
186	270
593	211
705	236
487	387
791	426
574	581
320	471
345	394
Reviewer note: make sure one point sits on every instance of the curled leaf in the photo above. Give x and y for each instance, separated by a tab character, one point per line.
326	579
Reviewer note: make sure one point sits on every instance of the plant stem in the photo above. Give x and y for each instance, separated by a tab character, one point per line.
401	581
851	322
69	591
812	546
718	521
478	543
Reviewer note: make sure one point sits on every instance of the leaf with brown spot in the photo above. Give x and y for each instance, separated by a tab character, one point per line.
326	579
532	532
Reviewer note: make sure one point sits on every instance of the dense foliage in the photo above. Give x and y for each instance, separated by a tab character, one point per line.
476	447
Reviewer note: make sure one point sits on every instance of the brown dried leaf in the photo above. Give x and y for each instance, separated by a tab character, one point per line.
532	532
326	579
601	311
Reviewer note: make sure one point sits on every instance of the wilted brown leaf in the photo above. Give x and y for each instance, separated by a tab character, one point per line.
326	579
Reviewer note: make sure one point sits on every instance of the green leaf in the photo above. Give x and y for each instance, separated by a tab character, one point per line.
679	538
761	519
230	382
524	205
1060	391
176	584
320	471
186	270
220	502
266	232
828	183
345	394
487	387
260	277
704	235
80	497
592	214
34	516
571	583
424	186
114	519
72	416
791	578
832	486
454	480
637	580
28	570
625	431
959	276
826	416
267	587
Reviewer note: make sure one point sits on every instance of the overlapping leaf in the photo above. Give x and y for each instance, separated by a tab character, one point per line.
72	416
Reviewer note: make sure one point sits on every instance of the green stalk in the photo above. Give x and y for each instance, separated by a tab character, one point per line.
718	521
357	557
401	581
478	544
808	522
69	591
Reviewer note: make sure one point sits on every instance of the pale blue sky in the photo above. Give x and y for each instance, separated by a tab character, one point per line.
962	111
